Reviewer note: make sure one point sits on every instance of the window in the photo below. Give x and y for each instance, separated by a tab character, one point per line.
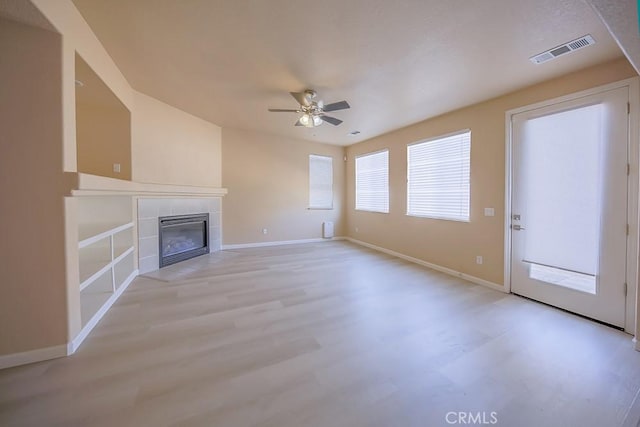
372	182
320	182
438	177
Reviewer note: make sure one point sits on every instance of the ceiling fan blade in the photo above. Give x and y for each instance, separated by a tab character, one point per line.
331	120
282	110
302	98
342	105
298	123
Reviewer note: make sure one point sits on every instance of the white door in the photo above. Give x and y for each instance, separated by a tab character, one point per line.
569	205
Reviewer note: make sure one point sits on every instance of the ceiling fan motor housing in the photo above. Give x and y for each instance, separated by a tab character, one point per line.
313	111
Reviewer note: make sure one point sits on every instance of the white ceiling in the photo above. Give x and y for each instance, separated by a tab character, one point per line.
395	62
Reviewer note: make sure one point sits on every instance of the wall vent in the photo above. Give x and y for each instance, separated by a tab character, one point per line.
562	49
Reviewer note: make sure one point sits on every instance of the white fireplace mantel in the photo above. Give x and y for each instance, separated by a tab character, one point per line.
82	184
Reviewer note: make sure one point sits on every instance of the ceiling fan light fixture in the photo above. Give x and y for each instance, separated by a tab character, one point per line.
310	120
312	113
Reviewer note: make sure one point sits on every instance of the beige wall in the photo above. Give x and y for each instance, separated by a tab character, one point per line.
450	244
32	260
97	132
164	139
173	147
268	181
103	127
39	304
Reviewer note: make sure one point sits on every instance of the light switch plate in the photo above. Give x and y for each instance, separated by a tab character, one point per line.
489	212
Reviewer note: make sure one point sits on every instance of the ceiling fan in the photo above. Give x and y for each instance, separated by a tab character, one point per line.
313	112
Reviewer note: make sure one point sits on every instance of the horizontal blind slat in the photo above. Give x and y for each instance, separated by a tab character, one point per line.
438	175
372	182
320	182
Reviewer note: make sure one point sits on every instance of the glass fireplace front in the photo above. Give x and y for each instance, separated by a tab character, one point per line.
182	237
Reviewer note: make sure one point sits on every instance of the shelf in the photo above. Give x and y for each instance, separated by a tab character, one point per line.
87	278
92	233
90	271
94	297
106	255
90	304
81	184
121	252
122	268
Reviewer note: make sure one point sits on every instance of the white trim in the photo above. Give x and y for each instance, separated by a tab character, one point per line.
467	277
122	256
507	203
633	189
632	321
279	243
104	234
95	276
32	356
84	332
104	269
82	184
573	96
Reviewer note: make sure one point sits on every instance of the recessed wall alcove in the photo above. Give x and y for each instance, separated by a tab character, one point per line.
103	126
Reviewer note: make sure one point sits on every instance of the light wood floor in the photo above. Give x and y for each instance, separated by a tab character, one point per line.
326	334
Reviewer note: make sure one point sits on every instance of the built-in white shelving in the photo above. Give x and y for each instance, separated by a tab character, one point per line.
106	259
91	233
104	216
101	253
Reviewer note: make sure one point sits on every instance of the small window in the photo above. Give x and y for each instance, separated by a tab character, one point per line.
372	182
438	180
320	182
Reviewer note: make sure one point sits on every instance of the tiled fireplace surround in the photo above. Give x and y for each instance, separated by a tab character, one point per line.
149	209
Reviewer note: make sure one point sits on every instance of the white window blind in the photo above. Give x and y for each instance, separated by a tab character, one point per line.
320	182
372	182
560	186
438	177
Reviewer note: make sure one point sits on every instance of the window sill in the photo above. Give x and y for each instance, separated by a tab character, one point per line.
365	210
439	218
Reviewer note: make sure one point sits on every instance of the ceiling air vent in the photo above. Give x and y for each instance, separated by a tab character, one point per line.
562	49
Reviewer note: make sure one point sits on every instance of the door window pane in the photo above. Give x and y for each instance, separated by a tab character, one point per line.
561	178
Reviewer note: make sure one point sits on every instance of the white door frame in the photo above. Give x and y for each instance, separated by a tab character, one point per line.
632	323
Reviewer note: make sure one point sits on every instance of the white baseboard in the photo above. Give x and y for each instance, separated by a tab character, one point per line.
279	243
41	354
84	332
436	267
37	355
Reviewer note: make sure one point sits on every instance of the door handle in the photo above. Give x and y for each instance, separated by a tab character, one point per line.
516	227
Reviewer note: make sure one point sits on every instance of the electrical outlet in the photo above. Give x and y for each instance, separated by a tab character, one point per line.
264	231
357	229
116	167
479	259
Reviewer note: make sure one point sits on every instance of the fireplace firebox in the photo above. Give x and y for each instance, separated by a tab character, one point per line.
182	237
